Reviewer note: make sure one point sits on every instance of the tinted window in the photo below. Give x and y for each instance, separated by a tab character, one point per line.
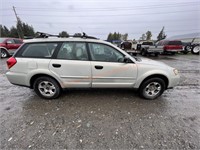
147	43
18	41
11	41
101	52
73	51
40	50
174	43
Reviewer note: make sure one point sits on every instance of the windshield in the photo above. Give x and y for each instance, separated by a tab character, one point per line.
2	40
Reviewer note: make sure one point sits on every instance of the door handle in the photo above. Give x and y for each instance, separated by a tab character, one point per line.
98	67
56	65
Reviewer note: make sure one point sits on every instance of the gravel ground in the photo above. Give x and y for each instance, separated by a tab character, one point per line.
104	119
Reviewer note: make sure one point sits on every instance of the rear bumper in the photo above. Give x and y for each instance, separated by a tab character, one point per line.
17	78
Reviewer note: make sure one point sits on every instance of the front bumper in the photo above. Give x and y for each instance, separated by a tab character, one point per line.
174	81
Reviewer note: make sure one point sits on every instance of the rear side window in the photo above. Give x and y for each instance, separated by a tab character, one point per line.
39	50
175	43
73	51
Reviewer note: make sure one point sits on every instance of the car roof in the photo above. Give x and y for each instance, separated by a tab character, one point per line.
36	40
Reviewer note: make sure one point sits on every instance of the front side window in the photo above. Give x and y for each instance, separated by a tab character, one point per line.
40	50
101	52
73	51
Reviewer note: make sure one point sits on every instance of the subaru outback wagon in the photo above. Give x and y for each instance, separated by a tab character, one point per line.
50	65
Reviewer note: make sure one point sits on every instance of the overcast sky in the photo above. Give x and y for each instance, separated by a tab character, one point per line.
99	17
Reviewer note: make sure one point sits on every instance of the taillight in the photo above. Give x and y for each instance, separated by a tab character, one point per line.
11	62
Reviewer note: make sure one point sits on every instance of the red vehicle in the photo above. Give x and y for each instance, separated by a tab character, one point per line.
170	46
9	45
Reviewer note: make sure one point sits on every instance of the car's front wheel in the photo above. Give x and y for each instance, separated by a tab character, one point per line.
152	88
47	88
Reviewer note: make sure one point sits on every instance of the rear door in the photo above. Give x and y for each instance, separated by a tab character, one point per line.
109	69
72	65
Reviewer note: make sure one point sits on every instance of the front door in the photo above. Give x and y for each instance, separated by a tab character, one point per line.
109	69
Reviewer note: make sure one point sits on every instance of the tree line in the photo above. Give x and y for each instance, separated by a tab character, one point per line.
23	30
147	36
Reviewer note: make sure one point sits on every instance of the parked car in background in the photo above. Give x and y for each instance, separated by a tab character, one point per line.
128	47
9	45
51	64
163	46
148	47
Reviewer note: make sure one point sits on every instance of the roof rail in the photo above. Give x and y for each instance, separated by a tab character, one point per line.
46	35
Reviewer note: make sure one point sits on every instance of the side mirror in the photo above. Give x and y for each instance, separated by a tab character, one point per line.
127	59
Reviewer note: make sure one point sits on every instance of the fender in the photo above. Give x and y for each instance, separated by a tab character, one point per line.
149	73
42	72
4	49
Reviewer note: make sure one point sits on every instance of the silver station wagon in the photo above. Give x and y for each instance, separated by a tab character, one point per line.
49	65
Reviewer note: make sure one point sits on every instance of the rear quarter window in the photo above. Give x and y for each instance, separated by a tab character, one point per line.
38	50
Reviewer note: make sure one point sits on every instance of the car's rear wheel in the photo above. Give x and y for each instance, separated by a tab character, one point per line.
152	88
195	50
4	53
143	52
47	88
187	48
156	54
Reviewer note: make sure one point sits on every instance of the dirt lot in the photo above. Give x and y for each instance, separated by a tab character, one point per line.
104	119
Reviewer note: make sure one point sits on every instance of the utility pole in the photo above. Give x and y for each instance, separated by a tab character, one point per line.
17	22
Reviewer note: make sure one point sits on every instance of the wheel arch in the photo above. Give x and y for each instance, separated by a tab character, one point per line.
165	79
34	77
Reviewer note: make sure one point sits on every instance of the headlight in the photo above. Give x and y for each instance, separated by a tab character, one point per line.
175	71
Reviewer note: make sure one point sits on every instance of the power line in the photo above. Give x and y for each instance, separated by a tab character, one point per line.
111	8
105	22
114	15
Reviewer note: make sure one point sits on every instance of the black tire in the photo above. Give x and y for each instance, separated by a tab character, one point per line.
173	53
156	54
187	48
4	53
185	52
195	50
158	86
53	89
143	52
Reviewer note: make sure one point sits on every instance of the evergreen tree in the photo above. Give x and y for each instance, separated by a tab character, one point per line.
161	35
63	34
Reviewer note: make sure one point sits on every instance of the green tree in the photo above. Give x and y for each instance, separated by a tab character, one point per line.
77	34
143	37
124	37
63	34
148	35
4	31
13	32
117	36
161	35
